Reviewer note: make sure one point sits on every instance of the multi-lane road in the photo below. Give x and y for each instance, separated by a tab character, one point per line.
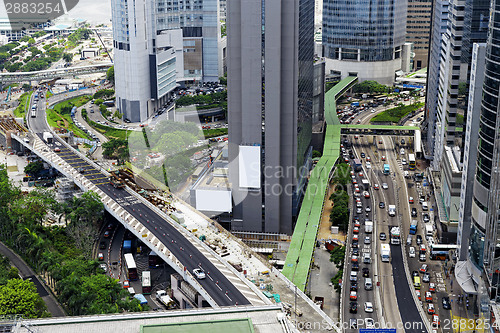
217	285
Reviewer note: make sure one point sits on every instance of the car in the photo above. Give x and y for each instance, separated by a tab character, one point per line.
368	209
200	275
368	165
426	278
367	258
346	160
402	151
402	141
446	303
353	276
430	309
354	286
353	324
403	161
110	226
432	287
359	210
126	284
422	248
355	230
353	296
376	187
426	217
357	224
355	251
355	266
430	240
414	212
381	205
354	258
383	158
383	236
352	173
368	307
81	170
102	245
355	238
57	149
362	155
366	272
367	239
411	252
91	110
353	307
354	181
435	321
369	323
421	257
100	256
410	200
107	233
385	186
368	159
424	268
419	239
414	273
356	137
360	175
104	267
418	294
379	142
366	194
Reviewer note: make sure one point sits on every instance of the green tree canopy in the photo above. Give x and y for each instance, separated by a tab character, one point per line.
21	297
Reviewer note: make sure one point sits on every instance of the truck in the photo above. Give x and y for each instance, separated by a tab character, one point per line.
392	210
357	165
429	231
48	137
385	252
127	246
368	227
162	296
366	184
395	236
355	104
387	169
413	227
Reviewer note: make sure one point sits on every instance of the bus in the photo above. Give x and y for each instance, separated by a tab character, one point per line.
357	165
413	227
416	282
153	260
442	251
439	255
131	267
387	169
411	162
146	282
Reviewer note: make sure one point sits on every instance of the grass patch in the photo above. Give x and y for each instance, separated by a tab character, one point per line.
109	132
48	94
394	115
20	110
460	119
70	103
213	132
56	120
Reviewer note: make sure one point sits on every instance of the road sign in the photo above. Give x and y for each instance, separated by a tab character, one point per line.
377	330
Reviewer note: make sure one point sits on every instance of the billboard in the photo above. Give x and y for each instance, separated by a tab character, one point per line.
249	166
213	200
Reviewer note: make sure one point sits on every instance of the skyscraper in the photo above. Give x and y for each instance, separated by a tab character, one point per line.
146	46
270	82
364	38
418	25
467	24
484	240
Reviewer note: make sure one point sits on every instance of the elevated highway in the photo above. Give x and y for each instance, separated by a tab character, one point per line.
48	74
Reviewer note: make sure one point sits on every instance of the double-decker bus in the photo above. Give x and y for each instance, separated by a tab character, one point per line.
153	260
131	267
441	251
411	162
146	282
387	169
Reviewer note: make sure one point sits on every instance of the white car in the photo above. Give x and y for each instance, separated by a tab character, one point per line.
385	186
412	252
104	267
369	323
403	161
200	275
368	165
368	307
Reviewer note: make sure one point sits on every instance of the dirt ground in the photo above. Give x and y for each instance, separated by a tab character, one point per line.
325	224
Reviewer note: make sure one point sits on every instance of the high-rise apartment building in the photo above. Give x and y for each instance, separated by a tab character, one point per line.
364	38
418	25
438	28
270	90
149	35
467	24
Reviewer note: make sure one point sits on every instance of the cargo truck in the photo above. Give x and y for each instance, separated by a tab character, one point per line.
368	227
48	137
385	252
161	295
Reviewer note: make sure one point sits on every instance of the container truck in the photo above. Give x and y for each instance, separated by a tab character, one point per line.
385	252
48	137
395	236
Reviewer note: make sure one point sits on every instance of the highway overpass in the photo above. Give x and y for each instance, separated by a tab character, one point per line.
49	74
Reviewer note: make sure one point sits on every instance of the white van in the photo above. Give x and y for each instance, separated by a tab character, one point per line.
425	206
368	284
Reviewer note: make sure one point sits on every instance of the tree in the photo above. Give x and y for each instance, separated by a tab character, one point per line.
33	168
338	256
21	298
67	57
110	74
316	154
